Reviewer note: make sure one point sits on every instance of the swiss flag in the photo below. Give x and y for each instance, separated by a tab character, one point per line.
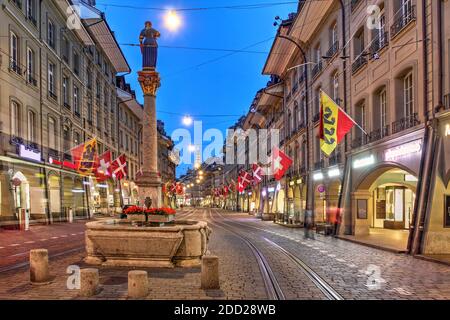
180	188
241	186
280	163
173	188
103	169
257	174
225	191
119	167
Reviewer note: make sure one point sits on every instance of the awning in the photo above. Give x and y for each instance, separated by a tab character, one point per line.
94	21
270	97
281	53
132	104
309	18
78	27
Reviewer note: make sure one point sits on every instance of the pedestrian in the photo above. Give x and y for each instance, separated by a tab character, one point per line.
309	233
337	221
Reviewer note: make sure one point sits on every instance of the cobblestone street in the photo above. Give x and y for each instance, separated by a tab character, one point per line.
351	270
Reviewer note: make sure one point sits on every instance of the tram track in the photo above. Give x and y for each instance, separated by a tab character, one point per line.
273	288
328	291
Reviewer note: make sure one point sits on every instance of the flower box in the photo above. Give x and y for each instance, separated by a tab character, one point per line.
156	218
155	215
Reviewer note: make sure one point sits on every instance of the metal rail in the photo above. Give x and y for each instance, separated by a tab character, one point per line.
273	288
320	283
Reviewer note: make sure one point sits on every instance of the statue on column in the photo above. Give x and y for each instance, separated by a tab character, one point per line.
149	46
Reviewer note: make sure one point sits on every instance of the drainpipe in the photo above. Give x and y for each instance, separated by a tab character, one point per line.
309	196
416	238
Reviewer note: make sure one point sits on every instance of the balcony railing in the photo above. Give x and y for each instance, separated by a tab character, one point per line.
52	95
14	66
359	142
405	123
403	20
335	159
67	106
333	49
379	43
359	63
319	165
31	80
379	134
32	19
317	69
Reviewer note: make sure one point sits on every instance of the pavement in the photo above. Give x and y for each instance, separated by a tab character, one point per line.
352	270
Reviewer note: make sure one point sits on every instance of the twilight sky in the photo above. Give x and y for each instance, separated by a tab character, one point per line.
197	82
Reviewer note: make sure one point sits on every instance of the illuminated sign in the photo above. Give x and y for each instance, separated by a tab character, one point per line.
291	183
447	130
404	150
26	153
318	176
334	173
364	162
271	189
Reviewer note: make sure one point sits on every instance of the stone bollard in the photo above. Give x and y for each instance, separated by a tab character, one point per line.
137	284
210	272
39	273
89	282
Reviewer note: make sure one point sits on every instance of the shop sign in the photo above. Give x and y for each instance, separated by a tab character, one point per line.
332	173
299	181
318	176
364	162
404	150
292	183
321	188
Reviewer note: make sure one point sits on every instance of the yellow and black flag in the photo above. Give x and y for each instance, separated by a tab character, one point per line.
334	124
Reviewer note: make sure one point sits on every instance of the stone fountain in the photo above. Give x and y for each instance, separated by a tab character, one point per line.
121	242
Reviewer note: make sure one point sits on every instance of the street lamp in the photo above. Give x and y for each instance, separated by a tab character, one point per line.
172	20
187	121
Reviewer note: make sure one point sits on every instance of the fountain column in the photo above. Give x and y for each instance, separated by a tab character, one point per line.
149	182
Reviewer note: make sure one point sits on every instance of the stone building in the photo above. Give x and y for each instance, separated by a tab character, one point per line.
392	78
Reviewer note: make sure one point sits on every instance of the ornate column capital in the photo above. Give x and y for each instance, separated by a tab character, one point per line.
150	82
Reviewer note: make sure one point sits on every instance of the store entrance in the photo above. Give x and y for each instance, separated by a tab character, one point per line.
394	200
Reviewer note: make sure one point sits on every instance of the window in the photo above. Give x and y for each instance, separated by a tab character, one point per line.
99	120
76	138
406	10
89	111
76	102
317	54
65	91
126	141
51	33
105	97
66	136
31	11
334	34
30	66
121	138
89	78
132	145
14	52
106	124
65	49
76	63
408	95
31	126
382	30
336	87
52	134
98	88
383	108
317	102
51	79
15	119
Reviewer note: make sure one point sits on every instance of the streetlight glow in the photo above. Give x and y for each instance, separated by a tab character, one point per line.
172	20
187	121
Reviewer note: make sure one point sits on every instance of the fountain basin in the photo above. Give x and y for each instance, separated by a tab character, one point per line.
120	244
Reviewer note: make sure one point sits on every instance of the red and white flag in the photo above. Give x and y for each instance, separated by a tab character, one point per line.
280	163
119	167
257	174
103	168
241	187
246	178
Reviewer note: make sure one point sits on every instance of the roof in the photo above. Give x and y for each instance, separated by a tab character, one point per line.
104	36
131	102
81	32
280	54
309	18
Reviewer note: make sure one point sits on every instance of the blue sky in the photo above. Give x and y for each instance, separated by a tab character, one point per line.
226	86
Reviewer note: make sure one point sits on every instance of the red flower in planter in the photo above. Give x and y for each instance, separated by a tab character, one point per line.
133	210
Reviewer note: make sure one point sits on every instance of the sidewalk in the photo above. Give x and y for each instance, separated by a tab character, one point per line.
390	240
